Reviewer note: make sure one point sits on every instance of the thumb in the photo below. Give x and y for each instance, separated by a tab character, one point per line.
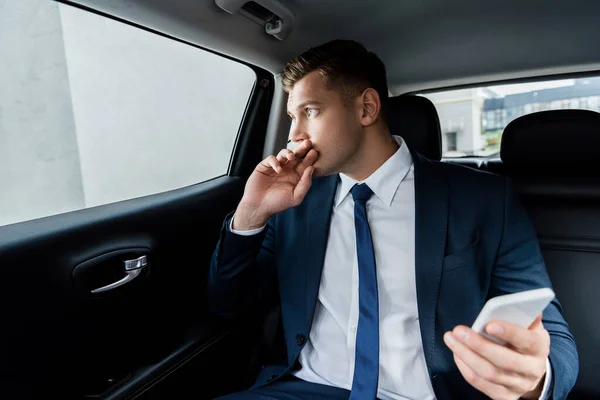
303	185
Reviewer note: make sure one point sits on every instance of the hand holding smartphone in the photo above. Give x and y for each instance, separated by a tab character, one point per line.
516	308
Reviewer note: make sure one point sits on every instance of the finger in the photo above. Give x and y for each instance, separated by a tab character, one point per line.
500	356
271	163
522	339
490	389
307	161
303	148
303	185
285	156
484	369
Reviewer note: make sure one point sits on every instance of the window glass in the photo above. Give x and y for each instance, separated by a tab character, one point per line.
94	111
485	111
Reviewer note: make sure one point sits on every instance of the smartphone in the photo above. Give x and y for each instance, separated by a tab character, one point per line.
516	308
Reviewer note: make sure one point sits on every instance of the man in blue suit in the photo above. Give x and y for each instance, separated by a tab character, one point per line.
383	258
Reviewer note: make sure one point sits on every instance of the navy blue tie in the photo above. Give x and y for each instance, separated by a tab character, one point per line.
366	365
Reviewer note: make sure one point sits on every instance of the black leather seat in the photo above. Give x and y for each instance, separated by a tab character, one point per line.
560	143
416	120
552	157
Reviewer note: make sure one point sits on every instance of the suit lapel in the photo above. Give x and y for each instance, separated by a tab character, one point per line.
306	241
319	209
431	217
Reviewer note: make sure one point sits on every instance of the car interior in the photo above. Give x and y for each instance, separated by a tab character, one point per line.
154	338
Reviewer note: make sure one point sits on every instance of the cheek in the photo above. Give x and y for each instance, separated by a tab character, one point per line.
329	132
315	128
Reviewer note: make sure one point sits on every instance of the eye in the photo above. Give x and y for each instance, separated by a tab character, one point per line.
312	112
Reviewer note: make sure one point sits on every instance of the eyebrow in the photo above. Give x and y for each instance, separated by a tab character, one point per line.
307	103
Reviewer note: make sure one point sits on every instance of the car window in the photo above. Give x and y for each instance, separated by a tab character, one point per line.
95	111
472	120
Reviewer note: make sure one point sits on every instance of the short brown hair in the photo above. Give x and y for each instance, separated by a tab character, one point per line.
346	65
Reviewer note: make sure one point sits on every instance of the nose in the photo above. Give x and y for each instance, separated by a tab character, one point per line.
297	133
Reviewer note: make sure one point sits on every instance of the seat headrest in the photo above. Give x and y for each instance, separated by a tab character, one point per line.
557	140
416	120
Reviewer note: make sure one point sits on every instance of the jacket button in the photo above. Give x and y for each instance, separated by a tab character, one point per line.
272	377
300	340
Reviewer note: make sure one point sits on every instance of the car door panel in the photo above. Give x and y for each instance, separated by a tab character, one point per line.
150	337
60	337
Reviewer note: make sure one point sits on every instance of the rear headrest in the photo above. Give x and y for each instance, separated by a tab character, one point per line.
416	120
557	140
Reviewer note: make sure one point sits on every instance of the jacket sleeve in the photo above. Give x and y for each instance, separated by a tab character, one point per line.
242	270
520	266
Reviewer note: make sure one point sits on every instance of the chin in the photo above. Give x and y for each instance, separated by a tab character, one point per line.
321	172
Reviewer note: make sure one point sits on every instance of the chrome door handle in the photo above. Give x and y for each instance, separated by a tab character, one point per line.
132	269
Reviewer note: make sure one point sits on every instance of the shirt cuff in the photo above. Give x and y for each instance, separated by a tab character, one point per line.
244	233
548	382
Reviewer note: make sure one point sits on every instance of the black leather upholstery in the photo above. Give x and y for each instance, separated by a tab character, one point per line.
552	157
416	120
566	142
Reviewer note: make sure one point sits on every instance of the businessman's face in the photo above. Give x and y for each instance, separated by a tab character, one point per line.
319	113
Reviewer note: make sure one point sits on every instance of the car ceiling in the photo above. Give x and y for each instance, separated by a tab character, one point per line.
423	43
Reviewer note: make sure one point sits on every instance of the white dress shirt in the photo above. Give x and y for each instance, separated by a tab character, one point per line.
328	357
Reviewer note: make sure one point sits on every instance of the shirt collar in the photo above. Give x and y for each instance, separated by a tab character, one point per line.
385	180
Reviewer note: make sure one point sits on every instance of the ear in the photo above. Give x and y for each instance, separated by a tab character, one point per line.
371	106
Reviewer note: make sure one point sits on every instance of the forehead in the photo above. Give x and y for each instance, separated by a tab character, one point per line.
310	88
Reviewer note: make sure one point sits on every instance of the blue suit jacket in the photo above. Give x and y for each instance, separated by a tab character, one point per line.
473	241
